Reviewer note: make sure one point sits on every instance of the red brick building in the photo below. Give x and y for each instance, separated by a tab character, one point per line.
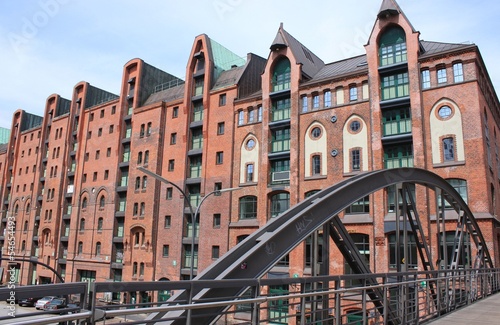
281	128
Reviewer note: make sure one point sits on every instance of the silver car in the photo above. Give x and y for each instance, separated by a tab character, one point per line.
41	302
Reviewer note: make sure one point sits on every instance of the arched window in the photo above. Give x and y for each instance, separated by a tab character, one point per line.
82	224
146	157
143	209
141	269
281	75
139	158
134	269
460	185
84	203
392	46
25	229
279	203
248	207
100	222
144	181
102	202
80	248
137	182
98	248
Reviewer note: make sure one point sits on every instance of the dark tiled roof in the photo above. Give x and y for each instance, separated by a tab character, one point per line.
358	63
432	48
228	77
166	95
339	68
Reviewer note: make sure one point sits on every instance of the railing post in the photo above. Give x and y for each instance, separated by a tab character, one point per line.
255	305
338	315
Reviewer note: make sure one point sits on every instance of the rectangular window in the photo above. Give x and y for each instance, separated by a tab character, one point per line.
197	111
304	104
400	155
361	206
458	72
353	93
91	118
249	177
108	152
89	135
441	75
219	157
315	101
216	221
168	222
355	159
102	113
169	193
259	114
280	140
395	86
99	132
316	165
106	174
281	109
215	252
250	116
426	79
327	98
396	121
113	110
173	138
222	99
171	165
448	149
241	117
97	154
175	112
166	250
220	128
111	128
94	178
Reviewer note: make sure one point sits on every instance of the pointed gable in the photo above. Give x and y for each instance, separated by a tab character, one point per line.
310	62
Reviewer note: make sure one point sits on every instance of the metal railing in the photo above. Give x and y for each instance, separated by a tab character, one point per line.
408	298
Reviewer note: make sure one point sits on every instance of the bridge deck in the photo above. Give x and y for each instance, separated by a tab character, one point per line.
482	312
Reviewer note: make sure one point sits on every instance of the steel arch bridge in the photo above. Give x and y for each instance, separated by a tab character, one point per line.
259	252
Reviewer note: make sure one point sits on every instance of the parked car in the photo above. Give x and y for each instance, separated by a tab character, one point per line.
41	302
54	304
28	302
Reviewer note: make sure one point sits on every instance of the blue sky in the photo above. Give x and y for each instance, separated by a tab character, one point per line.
48	46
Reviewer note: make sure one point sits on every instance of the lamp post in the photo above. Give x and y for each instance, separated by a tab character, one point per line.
194	213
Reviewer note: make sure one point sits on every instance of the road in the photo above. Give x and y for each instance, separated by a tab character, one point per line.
5	309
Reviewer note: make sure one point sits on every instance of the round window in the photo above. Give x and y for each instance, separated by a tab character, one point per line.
250	144
316	132
355	125
445	112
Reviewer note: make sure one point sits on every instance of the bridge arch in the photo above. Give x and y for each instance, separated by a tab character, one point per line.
261	250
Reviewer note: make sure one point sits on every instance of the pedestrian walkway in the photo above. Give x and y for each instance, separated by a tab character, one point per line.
482	312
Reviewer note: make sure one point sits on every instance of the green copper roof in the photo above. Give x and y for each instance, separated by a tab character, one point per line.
4	135
223	58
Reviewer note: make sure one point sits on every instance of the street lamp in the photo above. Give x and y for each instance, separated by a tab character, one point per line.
193	214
